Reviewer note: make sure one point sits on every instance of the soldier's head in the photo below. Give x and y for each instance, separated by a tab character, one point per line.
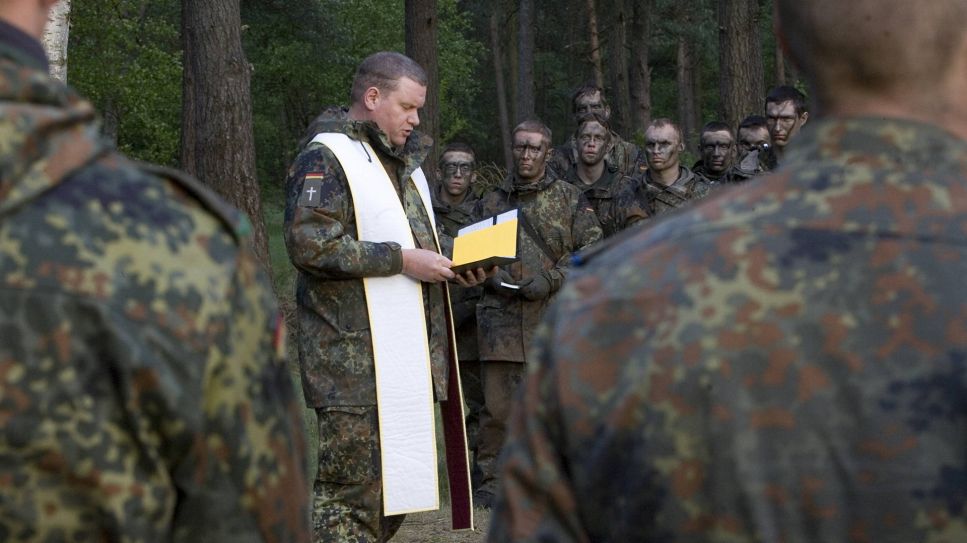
30	16
886	54
717	147
531	142
589	98
389	89
753	134
785	114
663	145
593	138
456	169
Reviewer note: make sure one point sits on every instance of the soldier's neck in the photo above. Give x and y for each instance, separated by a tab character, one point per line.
453	200
590	173
666	177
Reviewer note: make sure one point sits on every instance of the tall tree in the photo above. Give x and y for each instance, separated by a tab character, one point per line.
741	78
595	43
640	71
525	62
499	80
620	68
55	38
688	76
218	145
421	24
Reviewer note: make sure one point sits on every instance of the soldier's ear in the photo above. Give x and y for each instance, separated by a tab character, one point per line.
804	117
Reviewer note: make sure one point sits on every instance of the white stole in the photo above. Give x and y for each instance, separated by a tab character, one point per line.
404	382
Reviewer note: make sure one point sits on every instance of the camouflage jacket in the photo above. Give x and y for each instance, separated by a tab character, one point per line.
688	186
562	217
785	362
143	395
617	200
463	301
730	176
624	156
335	348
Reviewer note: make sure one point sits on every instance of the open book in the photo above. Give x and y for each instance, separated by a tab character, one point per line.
490	242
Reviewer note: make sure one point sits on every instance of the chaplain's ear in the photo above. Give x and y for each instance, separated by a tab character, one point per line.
371	98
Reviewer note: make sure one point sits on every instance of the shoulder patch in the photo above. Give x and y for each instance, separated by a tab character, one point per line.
311	195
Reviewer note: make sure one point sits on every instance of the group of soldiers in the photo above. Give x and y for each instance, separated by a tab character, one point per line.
569	197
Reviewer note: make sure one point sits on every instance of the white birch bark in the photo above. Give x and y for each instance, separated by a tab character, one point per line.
55	38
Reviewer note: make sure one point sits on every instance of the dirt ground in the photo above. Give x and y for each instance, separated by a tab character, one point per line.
434	526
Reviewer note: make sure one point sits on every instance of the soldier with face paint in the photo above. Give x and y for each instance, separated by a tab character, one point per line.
669	184
786	114
614	197
555	221
718	151
621	156
453	206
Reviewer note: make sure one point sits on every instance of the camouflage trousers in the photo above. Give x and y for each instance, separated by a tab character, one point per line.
347	500
500	383
470	381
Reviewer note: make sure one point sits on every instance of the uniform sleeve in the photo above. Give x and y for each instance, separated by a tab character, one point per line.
320	224
632	201
244	478
585	231
536	501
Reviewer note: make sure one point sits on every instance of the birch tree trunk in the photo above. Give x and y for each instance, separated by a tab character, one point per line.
55	39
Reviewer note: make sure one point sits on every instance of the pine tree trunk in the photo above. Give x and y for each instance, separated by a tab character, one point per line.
421	45
501	86
640	72
687	100
55	38
620	69
741	79
525	63
595	44
219	146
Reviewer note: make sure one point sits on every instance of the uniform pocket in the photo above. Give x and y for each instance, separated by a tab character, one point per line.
347	444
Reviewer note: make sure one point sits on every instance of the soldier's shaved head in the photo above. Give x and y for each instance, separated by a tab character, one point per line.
880	47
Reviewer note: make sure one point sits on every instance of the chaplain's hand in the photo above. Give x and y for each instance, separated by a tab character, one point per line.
474	277
426	265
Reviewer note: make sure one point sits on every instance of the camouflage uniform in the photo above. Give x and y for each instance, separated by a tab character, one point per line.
730	176
143	394
562	217
688	186
617	201
463	302
786	362
623	156
335	348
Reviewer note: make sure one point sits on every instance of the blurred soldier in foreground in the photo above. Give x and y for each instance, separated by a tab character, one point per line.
669	184
621	156
786	114
612	195
787	362
555	221
143	391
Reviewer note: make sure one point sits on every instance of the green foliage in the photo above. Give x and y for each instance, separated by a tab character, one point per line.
125	56
459	57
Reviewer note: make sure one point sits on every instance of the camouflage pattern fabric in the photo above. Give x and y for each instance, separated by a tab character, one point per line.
617	200
624	157
731	176
688	186
143	391
349	483
783	362
558	213
335	350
